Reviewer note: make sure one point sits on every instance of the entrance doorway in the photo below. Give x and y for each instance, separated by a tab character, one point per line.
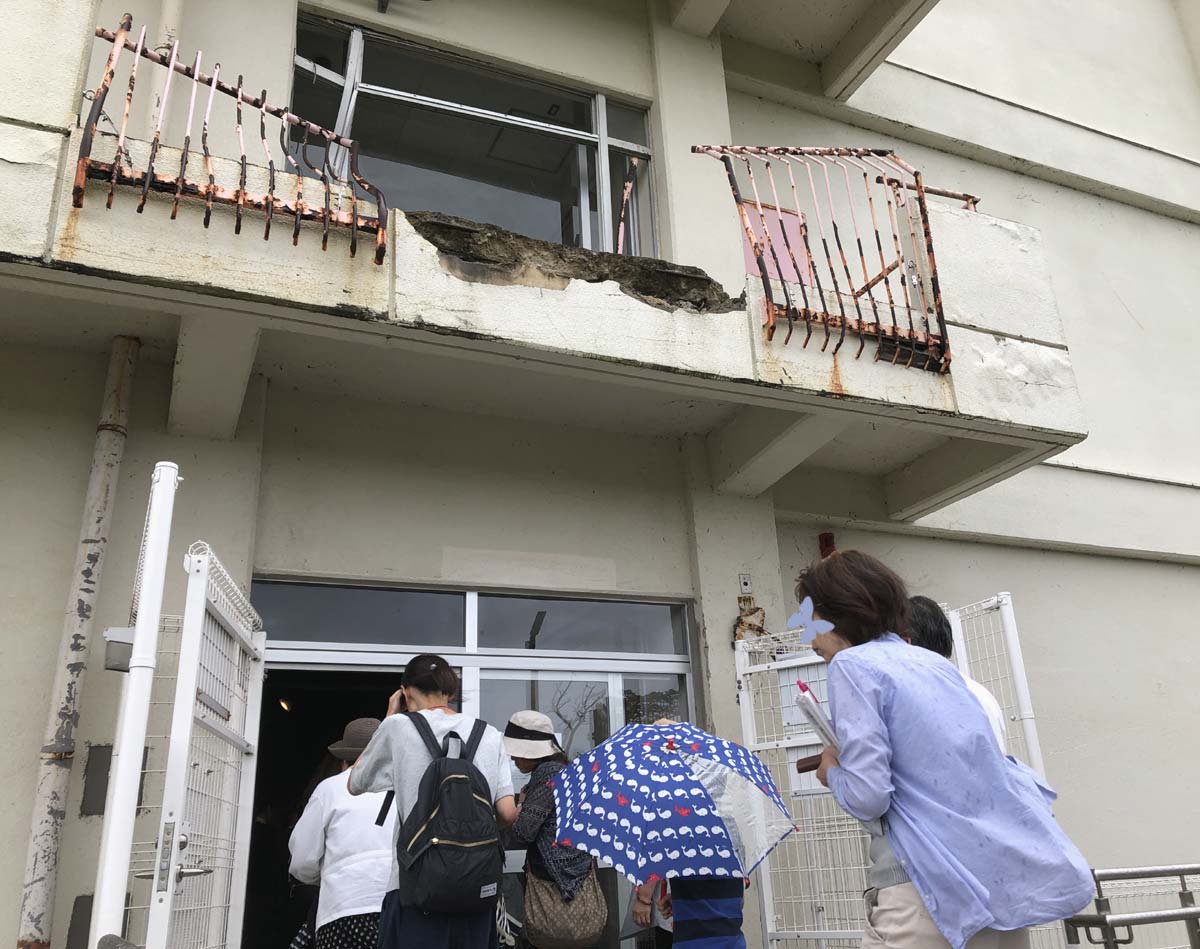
303	712
335	653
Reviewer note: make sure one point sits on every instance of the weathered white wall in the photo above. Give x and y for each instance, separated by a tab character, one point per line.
1125	282
47	424
535	36
1121	68
1109	646
385	492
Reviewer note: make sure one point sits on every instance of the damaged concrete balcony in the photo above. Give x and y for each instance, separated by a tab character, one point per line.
232	267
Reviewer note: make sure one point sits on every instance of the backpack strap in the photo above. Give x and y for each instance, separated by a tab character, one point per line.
422	726
387	803
468	750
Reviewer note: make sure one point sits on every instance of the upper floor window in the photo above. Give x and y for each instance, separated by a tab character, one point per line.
440	133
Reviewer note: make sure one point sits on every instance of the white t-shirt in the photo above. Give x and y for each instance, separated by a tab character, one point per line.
994	713
396	759
337	844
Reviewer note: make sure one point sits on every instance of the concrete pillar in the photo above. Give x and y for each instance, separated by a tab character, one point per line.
697	219
729	536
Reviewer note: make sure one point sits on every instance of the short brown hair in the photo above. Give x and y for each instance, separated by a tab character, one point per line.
860	595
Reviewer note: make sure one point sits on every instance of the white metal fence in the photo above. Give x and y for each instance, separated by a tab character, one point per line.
208	786
175	843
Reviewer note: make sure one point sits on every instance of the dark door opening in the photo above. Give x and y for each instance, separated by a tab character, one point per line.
303	713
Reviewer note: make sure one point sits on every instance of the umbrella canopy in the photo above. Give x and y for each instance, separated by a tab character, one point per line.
660	801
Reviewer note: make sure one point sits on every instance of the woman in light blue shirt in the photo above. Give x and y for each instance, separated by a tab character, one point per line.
970	828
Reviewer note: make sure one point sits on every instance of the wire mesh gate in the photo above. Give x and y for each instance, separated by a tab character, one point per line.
208	785
190	833
811	886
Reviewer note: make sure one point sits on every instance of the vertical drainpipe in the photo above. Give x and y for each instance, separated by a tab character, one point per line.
58	748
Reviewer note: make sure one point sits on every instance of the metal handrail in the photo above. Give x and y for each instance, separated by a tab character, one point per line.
1115	920
1107	923
1139	873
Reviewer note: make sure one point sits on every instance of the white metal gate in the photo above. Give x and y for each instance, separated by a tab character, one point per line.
988	649
811	886
208	784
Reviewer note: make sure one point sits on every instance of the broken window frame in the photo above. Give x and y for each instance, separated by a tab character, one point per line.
352	84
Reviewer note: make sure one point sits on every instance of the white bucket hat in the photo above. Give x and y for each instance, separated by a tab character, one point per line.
530	734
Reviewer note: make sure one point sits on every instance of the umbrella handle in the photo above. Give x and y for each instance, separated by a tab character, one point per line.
805	765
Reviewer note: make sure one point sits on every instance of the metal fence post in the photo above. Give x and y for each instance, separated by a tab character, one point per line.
120	809
1187	899
1008	621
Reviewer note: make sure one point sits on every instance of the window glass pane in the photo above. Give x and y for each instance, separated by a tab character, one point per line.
512	622
629	125
398	66
538	185
315	612
577	705
316	100
651	697
323	42
629	182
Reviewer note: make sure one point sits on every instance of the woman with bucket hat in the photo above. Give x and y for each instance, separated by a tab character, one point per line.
338	844
564	905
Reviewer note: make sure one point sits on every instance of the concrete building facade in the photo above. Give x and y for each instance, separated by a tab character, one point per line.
589	428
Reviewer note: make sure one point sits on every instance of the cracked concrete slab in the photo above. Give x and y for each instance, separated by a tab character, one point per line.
490	254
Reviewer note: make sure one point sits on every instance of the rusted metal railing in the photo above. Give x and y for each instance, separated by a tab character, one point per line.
120	170
875	279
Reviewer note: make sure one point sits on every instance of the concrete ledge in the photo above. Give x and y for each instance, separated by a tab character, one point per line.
30	159
151	248
1010	380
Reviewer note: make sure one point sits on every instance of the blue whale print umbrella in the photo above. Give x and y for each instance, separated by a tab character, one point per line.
661	801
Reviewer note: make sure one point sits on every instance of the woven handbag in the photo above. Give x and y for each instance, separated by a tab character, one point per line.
553	923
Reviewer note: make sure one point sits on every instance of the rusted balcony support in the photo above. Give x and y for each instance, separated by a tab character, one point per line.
841	292
120	171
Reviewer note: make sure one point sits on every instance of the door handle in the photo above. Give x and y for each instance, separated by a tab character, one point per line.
181	874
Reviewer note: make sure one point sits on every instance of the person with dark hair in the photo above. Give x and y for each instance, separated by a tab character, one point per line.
337	844
975	853
396	760
929	628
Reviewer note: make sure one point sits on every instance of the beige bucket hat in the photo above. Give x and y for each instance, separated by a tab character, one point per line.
530	734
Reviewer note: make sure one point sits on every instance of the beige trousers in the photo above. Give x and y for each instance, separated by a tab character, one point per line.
897	919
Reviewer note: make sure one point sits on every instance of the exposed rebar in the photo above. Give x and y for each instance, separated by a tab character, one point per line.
121	171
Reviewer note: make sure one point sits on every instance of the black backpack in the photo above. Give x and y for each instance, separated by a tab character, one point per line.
449	850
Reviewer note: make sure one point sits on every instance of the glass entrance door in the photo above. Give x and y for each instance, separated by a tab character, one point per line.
592	666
